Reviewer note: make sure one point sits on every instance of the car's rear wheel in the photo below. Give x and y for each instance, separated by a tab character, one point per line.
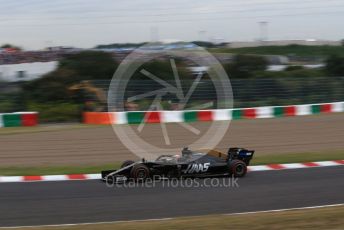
238	168
127	163
140	172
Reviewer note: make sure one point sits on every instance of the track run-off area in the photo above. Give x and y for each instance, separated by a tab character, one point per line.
97	145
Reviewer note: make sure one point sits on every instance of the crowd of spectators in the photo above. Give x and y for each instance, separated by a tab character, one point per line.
17	56
10	56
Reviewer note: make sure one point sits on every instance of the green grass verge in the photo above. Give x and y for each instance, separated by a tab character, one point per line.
56	170
257	160
45	128
319	218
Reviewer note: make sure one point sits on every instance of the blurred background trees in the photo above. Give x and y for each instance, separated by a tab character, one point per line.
245	66
81	79
74	68
335	65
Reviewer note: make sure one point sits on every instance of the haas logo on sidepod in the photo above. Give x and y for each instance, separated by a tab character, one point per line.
196	168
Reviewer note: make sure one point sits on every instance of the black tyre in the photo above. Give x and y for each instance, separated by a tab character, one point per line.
109	180
140	172
126	163
238	168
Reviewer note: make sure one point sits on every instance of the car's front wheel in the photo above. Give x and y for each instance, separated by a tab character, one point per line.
140	172
238	168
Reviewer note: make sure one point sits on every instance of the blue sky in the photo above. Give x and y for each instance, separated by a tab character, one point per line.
34	24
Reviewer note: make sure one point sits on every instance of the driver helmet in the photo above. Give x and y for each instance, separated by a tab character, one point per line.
186	151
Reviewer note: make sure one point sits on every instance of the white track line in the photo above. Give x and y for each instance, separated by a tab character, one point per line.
285	209
174	218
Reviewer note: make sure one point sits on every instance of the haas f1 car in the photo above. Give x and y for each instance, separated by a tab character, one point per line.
210	163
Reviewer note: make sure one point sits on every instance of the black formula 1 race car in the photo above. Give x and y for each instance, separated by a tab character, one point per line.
211	163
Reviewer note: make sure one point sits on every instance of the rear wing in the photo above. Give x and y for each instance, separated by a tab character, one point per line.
241	154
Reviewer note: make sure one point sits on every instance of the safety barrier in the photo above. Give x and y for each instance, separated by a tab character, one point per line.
210	115
18	119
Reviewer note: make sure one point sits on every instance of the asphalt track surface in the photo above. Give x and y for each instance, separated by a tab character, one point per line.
67	202
99	145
